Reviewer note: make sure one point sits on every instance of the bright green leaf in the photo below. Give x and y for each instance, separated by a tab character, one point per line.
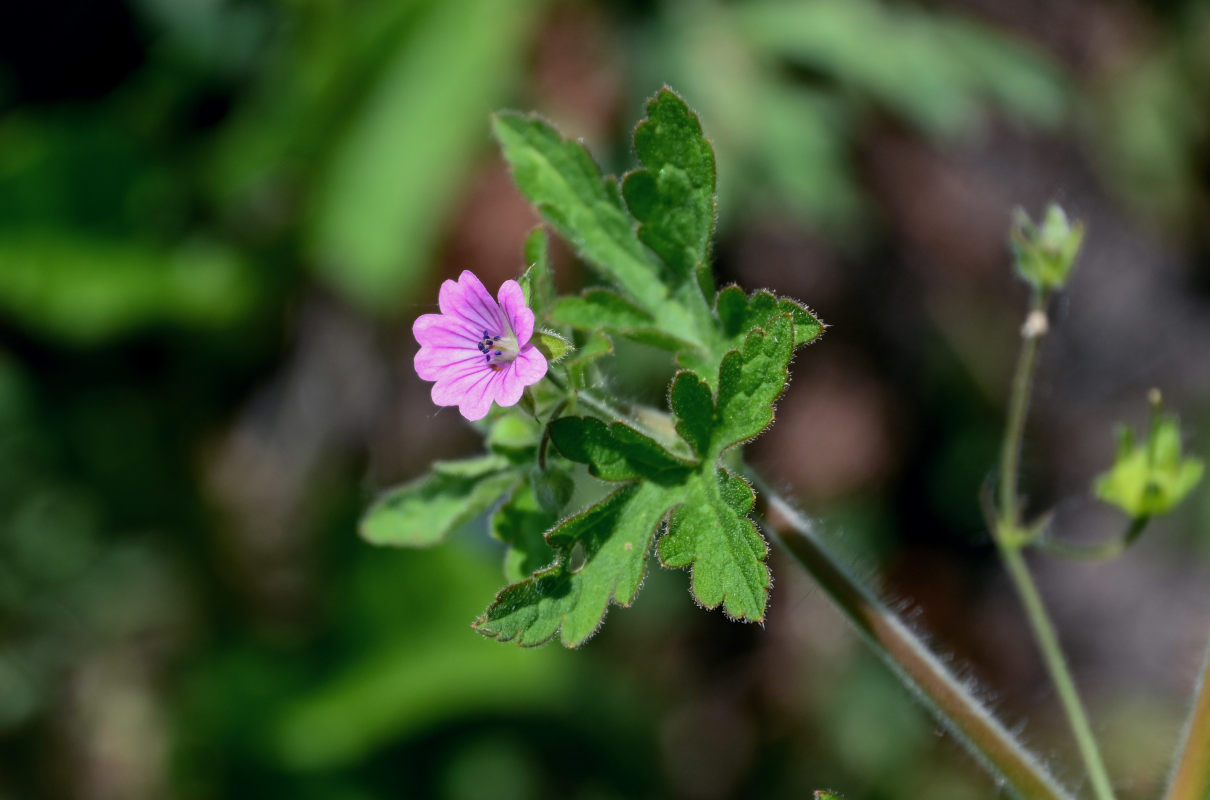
708	530
672	197
570	601
551	345
423	512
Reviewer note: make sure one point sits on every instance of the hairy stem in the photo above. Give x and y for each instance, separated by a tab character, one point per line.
1009	540
949	699
1191	774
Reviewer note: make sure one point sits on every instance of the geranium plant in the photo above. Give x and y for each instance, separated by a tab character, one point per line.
584	487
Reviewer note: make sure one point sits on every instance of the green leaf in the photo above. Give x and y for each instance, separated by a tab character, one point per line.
707	507
521	523
551	345
423	512
601	309
824	794
616	452
570	601
738	314
672	197
560	178
537	282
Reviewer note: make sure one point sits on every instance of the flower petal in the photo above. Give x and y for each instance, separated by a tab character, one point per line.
530	366
469	300
438	330
520	317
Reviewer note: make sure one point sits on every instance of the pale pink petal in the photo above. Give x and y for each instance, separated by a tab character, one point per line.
480	306
530	366
433	362
437	330
453	387
510	388
520	317
461	300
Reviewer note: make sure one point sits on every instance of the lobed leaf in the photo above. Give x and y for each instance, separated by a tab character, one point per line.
423	512
672	196
707	508
570	600
711	533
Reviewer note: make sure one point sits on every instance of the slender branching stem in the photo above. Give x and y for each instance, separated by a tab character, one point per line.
950	700
1010	539
1096	552
1191	774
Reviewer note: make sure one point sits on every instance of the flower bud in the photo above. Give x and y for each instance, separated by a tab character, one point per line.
1045	253
1151	477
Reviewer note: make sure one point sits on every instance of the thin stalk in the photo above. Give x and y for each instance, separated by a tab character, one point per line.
1009	540
1096	552
946	697
1191	775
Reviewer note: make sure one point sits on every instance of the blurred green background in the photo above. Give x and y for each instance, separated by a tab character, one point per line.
218	219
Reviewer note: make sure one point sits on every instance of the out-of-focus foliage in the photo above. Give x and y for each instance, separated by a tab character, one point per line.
800	79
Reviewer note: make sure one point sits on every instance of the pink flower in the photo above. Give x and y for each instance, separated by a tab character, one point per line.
477	350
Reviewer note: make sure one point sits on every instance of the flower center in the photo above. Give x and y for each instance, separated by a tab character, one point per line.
498	350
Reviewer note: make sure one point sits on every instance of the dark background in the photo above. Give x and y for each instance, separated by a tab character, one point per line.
219	218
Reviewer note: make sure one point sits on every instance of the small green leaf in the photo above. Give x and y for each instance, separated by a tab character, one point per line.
551	345
672	197
738	314
570	601
423	512
824	794
521	522
537	282
748	383
1149	478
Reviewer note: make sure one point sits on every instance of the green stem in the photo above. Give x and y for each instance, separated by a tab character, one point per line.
1009	540
1191	775
1096	552
949	699
1010	452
